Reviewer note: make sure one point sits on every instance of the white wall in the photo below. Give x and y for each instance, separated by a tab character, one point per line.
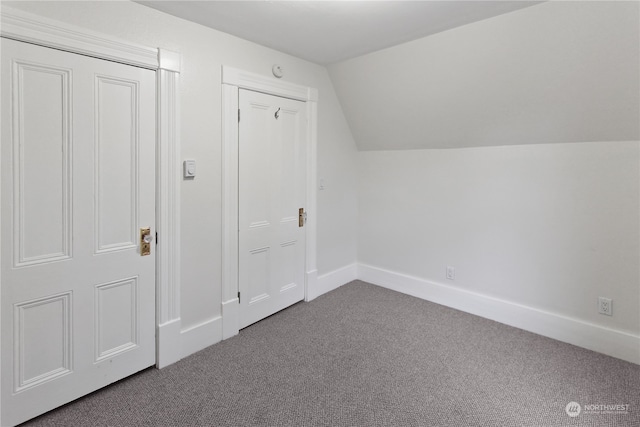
538	211
204	51
549	226
553	72
545	226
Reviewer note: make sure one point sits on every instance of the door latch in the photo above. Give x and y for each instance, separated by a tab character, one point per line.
145	241
302	217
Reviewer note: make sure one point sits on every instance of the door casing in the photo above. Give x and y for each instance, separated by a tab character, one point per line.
232	80
30	28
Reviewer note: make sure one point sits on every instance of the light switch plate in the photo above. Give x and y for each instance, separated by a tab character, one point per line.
189	168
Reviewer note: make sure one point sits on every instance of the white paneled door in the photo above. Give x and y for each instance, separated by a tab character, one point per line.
272	182
78	182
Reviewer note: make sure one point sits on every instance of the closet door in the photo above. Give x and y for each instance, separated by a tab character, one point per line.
78	184
272	192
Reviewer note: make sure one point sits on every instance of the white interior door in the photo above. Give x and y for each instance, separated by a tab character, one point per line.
272	179
78	181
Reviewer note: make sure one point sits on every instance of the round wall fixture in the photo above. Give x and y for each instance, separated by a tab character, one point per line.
277	71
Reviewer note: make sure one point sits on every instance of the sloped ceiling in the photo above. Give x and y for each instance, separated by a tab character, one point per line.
453	74
555	72
326	32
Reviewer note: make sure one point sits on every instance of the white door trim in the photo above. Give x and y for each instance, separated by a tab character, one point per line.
232	80
22	26
168	177
27	27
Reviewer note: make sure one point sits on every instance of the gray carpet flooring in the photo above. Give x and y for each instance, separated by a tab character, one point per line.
367	356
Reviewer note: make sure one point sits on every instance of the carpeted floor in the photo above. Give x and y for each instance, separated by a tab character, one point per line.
367	356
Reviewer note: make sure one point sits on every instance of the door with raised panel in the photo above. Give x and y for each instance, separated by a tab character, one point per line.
272	180
77	299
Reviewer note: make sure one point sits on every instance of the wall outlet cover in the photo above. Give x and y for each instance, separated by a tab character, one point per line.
451	273
605	306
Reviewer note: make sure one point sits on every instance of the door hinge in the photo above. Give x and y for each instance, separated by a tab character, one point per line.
238	115
238	297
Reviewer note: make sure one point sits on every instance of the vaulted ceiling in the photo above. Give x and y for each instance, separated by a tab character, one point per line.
326	32
454	74
557	72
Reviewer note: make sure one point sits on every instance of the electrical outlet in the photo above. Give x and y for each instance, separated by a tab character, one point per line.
451	273
605	306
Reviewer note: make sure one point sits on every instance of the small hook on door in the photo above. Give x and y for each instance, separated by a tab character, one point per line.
277	115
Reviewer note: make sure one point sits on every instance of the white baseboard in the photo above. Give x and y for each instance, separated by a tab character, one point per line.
333	280
175	344
169	343
201	336
312	284
604	340
230	318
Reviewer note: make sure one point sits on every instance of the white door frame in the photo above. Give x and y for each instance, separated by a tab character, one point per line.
27	27
233	80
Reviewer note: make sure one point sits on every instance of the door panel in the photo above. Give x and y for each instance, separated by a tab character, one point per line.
116	317
42	328
42	166
77	162
272	177
116	173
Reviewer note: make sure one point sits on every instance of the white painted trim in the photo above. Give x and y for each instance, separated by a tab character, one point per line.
232	80
259	83
23	26
229	192
230	318
168	207
311	285
169	61
201	336
616	343
333	280
311	190
171	349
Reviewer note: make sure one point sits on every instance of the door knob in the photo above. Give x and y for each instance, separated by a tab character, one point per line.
302	217
145	241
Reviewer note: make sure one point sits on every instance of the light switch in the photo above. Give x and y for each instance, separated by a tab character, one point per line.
189	168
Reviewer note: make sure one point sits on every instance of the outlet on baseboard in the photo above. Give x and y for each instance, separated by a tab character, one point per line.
605	306
451	273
